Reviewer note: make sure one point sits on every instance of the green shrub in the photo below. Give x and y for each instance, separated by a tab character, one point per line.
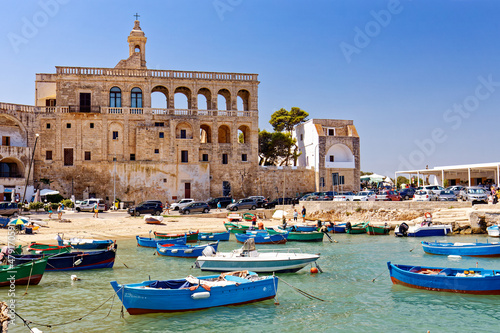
35	205
358	209
68	203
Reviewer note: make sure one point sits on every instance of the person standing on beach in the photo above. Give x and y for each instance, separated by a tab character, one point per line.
167	207
303	214
295	215
218	206
59	211
96	210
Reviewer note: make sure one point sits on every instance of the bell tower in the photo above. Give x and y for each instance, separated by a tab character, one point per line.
137	43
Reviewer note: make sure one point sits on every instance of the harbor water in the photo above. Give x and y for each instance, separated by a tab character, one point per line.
359	295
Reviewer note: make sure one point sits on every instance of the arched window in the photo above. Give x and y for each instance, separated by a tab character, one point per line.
136	98
115	97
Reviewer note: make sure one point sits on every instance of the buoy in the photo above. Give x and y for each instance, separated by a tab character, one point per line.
74	278
314	270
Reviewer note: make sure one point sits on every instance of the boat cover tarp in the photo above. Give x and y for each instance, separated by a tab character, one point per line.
170	284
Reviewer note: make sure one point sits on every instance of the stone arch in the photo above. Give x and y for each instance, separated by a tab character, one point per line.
183	130
244	97
159	103
14	129
186	92
339	155
11	167
205	92
205	134
224	134
227	97
243	134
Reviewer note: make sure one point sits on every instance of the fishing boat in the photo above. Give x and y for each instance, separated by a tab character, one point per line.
300	228
457	280
195	293
262	238
214	236
185	251
83	243
296	236
40	248
358	228
236	228
74	261
269	260
493	231
422	230
248	216
377	229
27	273
151	219
191	236
463	249
337	228
152	242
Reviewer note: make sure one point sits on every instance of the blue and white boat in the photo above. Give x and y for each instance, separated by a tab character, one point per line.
422	230
269	260
214	236
195	293
262	237
185	251
301	228
153	242
457	280
493	231
84	243
463	249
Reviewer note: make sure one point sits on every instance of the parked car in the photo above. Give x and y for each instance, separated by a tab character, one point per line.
315	196
407	193
475	194
154	207
277	202
245	203
327	196
425	195
305	196
88	205
364	196
259	199
9	208
447	195
387	195
344	196
175	205
224	201
456	189
434	188
201	207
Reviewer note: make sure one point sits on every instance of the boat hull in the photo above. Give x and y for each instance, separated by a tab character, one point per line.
337	229
263	239
463	249
426	231
374	230
214	236
236	228
94	245
315	236
184	251
493	231
190	237
443	280
75	261
152	242
38	248
139	300
29	272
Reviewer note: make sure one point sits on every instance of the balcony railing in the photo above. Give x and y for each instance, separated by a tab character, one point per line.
155	73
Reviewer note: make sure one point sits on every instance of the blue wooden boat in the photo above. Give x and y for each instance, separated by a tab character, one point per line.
422	230
457	280
214	236
4	221
185	251
337	228
84	244
73	261
263	238
463	249
195	293
152	242
301	228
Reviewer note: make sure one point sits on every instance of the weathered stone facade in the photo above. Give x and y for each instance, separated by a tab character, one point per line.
99	135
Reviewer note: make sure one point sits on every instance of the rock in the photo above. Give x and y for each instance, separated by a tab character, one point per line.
477	230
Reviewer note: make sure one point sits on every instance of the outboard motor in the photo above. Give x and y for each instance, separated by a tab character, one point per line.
348	226
403	229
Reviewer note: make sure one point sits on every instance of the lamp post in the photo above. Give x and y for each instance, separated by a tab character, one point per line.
29	169
114	174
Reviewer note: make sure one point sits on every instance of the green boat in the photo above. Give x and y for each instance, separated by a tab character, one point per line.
299	236
191	237
359	228
236	228
23	274
39	248
377	230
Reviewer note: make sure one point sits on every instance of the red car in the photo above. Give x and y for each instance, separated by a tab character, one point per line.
388	196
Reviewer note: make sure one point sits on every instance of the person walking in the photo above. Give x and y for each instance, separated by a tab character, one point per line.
59	211
295	215
303	214
96	210
218	206
50	210
167	207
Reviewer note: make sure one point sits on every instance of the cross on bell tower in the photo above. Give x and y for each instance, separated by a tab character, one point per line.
137	42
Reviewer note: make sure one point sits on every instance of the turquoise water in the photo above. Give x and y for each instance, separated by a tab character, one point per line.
354	302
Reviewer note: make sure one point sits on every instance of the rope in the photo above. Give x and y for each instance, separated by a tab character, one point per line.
29	279
116	256
379	275
302	292
26	322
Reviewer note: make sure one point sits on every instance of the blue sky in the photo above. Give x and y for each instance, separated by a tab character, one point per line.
420	79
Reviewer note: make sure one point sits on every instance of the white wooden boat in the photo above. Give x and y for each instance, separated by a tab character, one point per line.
153	219
493	231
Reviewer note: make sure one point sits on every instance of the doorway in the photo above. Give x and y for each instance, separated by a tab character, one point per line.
187	190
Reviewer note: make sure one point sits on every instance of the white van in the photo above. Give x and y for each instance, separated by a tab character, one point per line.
88	205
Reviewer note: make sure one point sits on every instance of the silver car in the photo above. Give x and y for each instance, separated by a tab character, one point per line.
246	203
475	194
447	195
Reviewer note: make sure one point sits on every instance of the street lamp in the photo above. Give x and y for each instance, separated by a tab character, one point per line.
29	169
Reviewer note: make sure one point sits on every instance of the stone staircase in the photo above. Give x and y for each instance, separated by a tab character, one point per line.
459	216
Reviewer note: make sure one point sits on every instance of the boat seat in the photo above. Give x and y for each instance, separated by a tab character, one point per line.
445	272
415	269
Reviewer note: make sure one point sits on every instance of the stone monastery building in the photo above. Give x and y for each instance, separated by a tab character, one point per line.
95	134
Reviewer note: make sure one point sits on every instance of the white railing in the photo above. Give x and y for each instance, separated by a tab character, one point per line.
155	73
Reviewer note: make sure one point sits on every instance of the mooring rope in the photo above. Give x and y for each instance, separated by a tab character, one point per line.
302	292
29	278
